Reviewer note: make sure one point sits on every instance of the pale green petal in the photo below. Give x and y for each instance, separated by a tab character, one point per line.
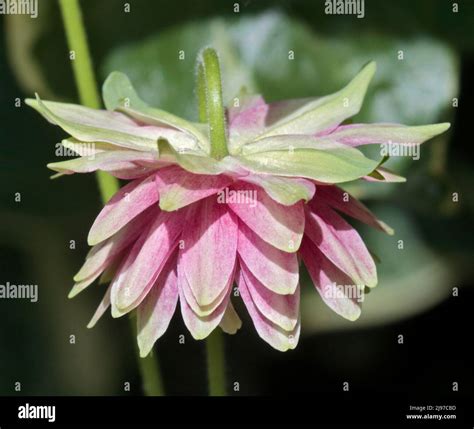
305	156
87	148
231	322
119	94
361	134
196	161
106	161
384	175
91	125
285	190
316	115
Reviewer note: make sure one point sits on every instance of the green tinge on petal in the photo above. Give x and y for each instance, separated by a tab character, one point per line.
386	176
119	94
87	148
322	113
190	160
231	322
285	190
76	121
86	164
385	133
305	156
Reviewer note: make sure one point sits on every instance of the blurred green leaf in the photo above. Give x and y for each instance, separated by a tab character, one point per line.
282	58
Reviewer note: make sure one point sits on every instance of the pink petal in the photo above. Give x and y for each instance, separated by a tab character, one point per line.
335	287
282	310
190	298
103	254
340	243
201	326
247	121
275	269
127	203
145	262
179	188
209	248
248	105
279	225
346	203
157	309
277	337
103	306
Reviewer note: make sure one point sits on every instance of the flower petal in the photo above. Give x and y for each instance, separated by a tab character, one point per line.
281	226
119	94
387	176
103	254
277	270
341	244
155	312
145	262
231	322
201	326
282	310
362	134
194	161
125	205
210	236
200	310
122	164
306	156
335	287
178	188
101	309
277	337
315	115
284	190
91	125
246	122
347	204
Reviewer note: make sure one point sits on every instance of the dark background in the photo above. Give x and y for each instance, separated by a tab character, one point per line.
35	233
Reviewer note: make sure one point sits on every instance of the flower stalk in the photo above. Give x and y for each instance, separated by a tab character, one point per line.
108	185
211	110
84	77
211	105
216	363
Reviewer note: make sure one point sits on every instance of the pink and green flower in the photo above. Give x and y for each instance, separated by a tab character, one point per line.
230	207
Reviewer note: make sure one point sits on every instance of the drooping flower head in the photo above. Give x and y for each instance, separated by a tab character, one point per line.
240	201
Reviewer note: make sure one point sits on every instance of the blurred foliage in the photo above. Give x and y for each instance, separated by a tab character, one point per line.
255	51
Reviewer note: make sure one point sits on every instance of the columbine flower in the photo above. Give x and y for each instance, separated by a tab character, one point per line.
189	224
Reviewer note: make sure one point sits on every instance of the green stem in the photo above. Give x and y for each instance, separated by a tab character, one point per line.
149	370
89	96
211	109
211	106
84	77
216	363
